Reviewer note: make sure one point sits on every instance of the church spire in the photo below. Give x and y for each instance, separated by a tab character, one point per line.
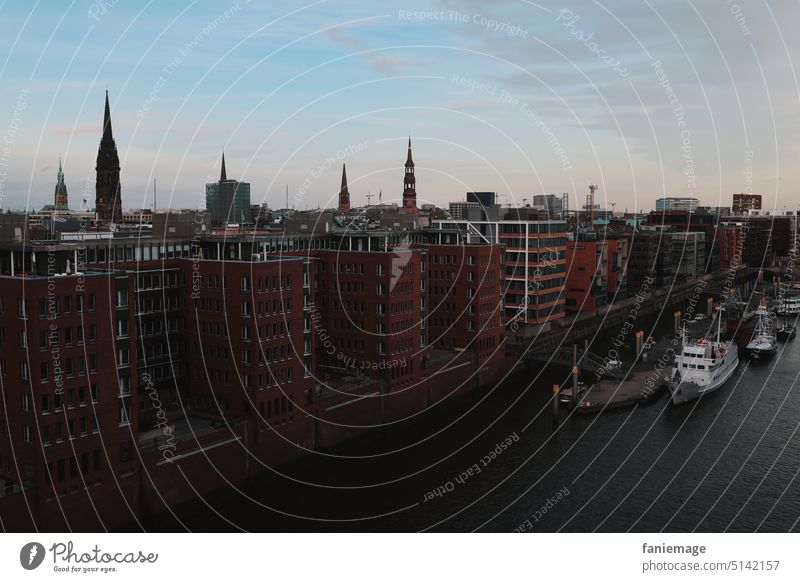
223	174
60	172
108	194
344	194
107	133
409	183
60	202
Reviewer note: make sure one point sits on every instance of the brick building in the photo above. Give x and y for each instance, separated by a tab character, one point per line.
744	203
68	436
201	357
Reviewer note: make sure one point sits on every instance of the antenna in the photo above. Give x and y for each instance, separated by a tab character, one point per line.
287	196
155	204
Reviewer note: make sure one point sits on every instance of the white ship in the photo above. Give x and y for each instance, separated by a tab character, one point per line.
702	366
764	342
790	306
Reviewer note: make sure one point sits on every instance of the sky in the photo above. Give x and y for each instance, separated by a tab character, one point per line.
643	99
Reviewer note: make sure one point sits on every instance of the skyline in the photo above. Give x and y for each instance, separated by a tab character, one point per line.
601	98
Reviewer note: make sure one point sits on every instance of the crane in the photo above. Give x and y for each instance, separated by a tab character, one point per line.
590	203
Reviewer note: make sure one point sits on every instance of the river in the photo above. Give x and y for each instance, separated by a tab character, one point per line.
729	462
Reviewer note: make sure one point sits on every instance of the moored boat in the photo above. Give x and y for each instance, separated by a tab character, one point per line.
702	366
764	342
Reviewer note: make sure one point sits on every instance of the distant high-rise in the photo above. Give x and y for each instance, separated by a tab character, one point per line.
485	199
228	201
409	183
60	197
671	203
108	194
553	205
344	194
744	203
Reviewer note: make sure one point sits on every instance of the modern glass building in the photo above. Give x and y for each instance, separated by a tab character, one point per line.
228	201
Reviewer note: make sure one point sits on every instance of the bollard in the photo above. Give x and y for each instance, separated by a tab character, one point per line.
574	374
556	390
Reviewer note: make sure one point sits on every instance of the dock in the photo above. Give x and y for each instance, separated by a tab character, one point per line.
643	382
607	394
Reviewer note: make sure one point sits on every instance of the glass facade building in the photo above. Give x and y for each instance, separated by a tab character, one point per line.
228	201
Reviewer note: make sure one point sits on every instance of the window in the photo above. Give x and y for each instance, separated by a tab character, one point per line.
122	328
245	284
27	434
45	403
46	435
125	410
124	385
122	298
43	371
245	309
26	402
92	301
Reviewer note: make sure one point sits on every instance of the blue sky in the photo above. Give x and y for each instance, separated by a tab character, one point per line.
640	98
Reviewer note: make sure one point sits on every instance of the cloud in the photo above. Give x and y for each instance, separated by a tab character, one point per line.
382	62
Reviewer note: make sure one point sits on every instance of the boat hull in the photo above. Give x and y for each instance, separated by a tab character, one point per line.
686	391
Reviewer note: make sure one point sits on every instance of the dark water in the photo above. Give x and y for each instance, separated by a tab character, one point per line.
727	463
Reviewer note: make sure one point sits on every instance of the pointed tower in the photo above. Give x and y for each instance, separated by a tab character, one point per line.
409	182
228	200
108	195
344	195
60	196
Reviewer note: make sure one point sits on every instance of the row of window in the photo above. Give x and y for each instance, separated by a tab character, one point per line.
67	468
57	399
60	368
53	306
278	307
55	432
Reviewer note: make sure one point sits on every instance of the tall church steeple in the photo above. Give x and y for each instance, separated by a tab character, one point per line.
60	202
108	195
409	182
344	194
